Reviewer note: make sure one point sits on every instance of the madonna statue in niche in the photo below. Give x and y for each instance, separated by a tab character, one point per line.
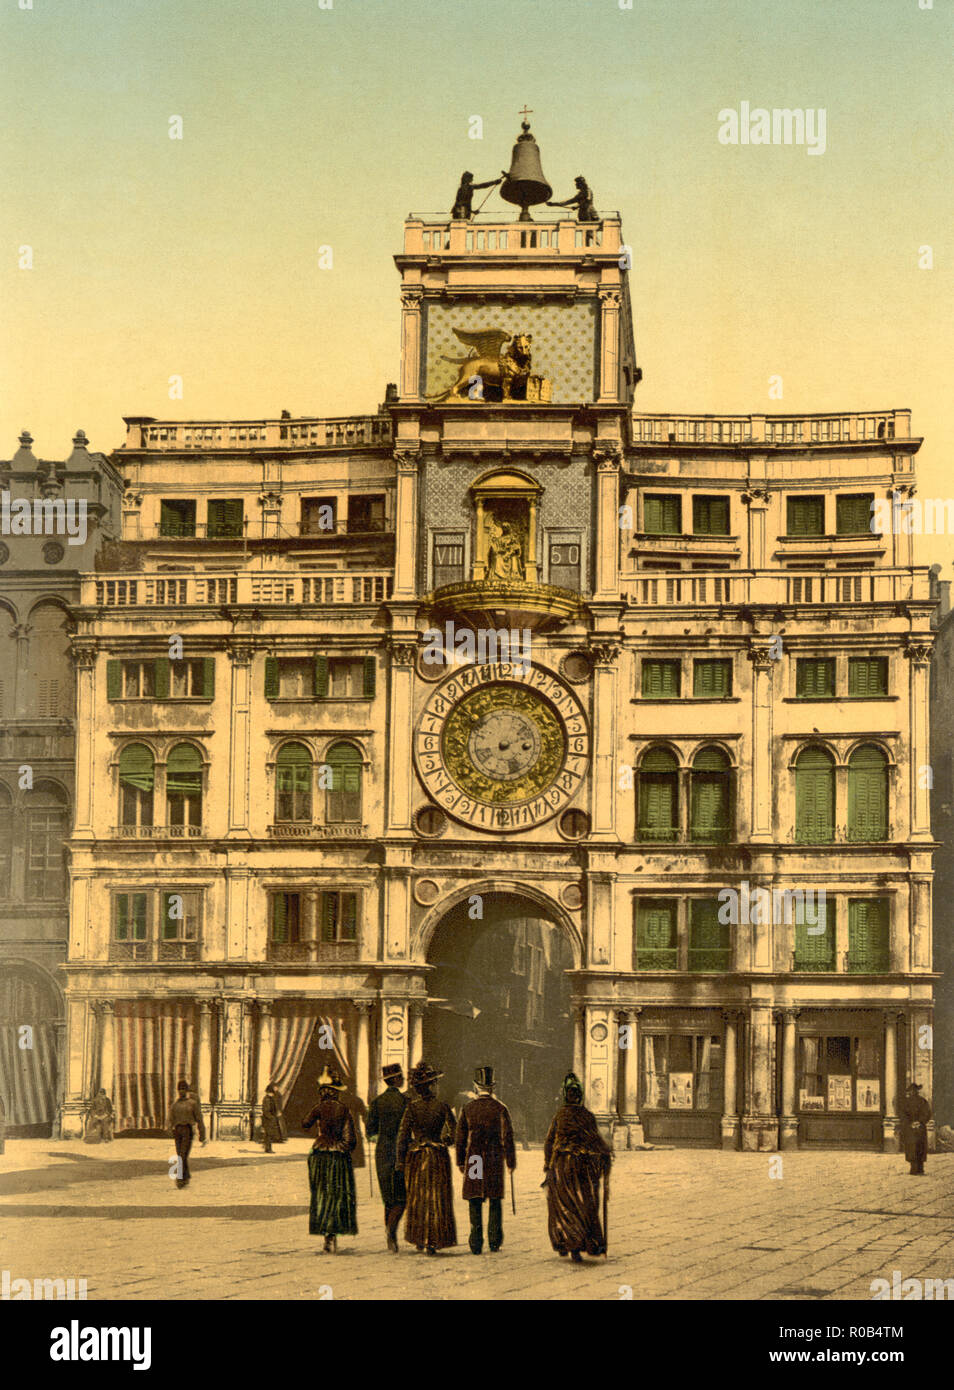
505	558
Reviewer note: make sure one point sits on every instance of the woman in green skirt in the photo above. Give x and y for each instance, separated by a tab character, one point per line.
333	1210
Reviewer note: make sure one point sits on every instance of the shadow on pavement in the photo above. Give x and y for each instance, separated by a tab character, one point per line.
47	1179
178	1212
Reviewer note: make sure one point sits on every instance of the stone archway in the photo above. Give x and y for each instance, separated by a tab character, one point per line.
499	995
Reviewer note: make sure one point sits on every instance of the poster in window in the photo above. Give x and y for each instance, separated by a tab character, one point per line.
808	1102
869	1094
680	1090
839	1093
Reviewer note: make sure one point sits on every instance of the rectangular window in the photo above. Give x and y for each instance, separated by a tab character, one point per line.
710	946
45	867
346	678
296	678
176	517
284	918
868	935
447	558
187	679
814	677
712	679
224	519
365	513
853	514
129	916
179	915
339	916
662	514
319	516
138	680
867	676
661	680
682	1071
710	516
806	516
839	1073
656	940
814	933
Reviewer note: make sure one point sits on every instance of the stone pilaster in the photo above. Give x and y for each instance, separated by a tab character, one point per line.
788	1126
730	1081
405	524
240	721
605	778
759	1123
763	798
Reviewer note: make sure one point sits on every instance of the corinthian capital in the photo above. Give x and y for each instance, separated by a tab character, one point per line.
407	460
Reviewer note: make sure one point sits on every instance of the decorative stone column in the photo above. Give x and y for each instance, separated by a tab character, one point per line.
59	1034
730	1081
362	1064
232	1109
203	1066
788	1127
415	1032
759	1123
918	651
264	1054
401	734
84	661
270	502
411	306
405	523
763	798
628	1132
610	302
20	633
607	459
579	1040
890	1142
601	1059
240	719
757	501
107	1048
605	776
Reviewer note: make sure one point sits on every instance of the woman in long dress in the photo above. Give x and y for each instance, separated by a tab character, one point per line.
333	1210
575	1157
427	1128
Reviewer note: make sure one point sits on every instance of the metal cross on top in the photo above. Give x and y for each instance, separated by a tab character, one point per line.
527	111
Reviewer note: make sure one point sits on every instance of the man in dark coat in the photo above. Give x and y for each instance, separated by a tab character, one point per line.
185	1113
273	1120
383	1122
484	1145
99	1119
915	1113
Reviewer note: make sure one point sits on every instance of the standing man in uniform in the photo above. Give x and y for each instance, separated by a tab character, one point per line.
915	1113
186	1112
384	1120
484	1145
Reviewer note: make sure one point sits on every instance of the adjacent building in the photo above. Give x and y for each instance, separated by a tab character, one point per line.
511	725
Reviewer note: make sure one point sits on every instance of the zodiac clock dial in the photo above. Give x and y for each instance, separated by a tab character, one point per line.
502	747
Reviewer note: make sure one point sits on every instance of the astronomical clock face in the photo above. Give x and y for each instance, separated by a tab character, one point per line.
502	747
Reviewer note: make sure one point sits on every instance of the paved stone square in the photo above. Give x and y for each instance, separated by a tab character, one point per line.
696	1224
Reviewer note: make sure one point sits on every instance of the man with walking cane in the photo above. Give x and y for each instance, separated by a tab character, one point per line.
484	1145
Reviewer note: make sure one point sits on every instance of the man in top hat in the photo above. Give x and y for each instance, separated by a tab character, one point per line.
484	1145
383	1122
915	1113
186	1112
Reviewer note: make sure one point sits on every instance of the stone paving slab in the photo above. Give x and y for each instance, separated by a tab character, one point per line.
694	1224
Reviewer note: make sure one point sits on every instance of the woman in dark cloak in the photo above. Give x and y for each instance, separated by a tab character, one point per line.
333	1210
575	1157
427	1128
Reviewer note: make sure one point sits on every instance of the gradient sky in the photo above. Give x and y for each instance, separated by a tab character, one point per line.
305	126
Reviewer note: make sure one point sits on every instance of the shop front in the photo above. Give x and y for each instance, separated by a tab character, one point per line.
681	1085
840	1079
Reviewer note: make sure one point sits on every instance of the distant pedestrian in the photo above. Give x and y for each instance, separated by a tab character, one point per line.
185	1117
273	1119
383	1122
915	1113
99	1119
484	1146
575	1157
427	1128
334	1205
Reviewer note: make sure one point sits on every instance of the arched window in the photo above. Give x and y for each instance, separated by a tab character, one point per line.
137	776
293	783
710	799
343	802
6	840
658	796
814	797
47	826
867	794
51	674
184	786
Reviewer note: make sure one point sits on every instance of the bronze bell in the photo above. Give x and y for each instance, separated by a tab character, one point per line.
525	184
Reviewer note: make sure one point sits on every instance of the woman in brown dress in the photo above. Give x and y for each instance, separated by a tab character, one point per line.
575	1157
333	1210
427	1128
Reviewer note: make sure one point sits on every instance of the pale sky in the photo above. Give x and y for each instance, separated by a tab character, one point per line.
306	126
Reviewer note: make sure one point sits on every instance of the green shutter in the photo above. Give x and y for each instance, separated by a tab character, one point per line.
139	916
234	516
662	516
370	675
868	935
661	680
814	677
224	518
279	918
349	917
136	767
806	516
711	679
867	795
114	680
867	676
208	677
271	678
655	936
853	514
122	916
184	770
815	950
814	798
161	669
170	925
710	516
321	677
329	916
709	940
